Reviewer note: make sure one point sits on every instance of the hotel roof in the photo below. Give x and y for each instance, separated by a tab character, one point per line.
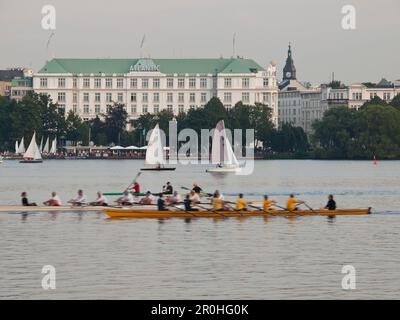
166	66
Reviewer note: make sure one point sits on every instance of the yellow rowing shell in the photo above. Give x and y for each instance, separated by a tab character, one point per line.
143	213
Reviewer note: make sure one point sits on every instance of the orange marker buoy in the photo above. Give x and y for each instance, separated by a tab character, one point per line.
375	161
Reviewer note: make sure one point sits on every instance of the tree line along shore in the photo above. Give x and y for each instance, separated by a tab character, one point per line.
343	133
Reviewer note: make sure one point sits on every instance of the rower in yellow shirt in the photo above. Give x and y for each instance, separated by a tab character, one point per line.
217	202
291	203
267	203
241	204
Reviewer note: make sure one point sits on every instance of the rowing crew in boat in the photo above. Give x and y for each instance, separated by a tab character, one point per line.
241	204
55	200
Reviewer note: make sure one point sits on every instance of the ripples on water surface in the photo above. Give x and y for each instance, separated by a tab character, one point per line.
252	258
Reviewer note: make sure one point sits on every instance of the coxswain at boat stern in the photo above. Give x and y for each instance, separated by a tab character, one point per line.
331	205
292	201
79	200
268	203
161	203
25	201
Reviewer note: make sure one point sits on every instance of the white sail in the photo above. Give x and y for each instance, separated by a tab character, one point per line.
46	146
33	153
155	151
21	148
222	152
54	146
16	147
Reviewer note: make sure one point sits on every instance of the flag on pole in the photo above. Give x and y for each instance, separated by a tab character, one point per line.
234	44
142	42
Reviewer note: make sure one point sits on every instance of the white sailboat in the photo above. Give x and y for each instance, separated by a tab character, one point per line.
45	149
32	154
21	148
16	147
155	153
53	149
222	154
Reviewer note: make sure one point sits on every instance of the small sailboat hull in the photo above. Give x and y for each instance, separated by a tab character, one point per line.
223	170
158	169
31	161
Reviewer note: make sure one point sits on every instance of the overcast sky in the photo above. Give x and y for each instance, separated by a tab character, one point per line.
205	28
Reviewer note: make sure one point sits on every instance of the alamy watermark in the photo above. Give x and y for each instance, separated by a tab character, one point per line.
49	17
349	280
49	279
349	17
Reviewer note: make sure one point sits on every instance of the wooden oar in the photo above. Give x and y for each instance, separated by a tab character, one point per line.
259	208
180	209
210	210
286	209
308	207
203	193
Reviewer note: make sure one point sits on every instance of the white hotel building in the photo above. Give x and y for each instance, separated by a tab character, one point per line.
88	86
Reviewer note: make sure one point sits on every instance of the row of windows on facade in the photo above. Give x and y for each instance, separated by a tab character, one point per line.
61	97
133	109
145	83
289	103
314	114
358	95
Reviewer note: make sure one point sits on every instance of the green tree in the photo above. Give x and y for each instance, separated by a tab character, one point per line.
396	102
333	133
115	122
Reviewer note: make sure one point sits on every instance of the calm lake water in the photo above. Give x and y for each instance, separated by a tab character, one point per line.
254	258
